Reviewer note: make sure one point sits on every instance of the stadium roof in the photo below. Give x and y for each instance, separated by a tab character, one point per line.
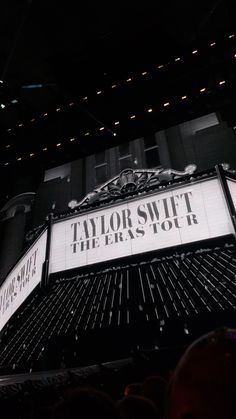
72	78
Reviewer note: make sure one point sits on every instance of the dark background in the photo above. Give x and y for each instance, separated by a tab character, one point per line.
54	54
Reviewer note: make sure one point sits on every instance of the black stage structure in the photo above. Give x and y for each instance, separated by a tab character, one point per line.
125	306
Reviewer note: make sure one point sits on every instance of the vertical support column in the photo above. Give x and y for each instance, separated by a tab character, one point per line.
228	199
45	273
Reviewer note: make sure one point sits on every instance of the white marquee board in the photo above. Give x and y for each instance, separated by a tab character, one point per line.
232	188
174	217
22	279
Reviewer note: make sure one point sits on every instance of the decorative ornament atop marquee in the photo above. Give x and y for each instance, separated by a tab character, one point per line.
131	180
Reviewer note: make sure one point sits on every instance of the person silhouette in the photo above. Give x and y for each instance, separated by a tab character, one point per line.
203	385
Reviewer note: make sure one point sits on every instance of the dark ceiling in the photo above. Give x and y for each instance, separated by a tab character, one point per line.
75	75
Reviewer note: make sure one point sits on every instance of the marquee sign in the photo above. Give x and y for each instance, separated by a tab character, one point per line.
177	216
22	280
232	188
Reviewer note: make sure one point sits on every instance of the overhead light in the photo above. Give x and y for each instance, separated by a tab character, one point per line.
8	146
86	134
149	110
32	120
202	90
58	144
212	44
101	128
20	125
114	134
232	35
161	66
99	92
32	86
222	82
1	81
113	86
2	105
177	59
117	123
194	51
144	73
6	164
72	139
45	114
19	158
133	116
129	79
186	331
14	101
31	154
85	98
45	149
58	109
166	104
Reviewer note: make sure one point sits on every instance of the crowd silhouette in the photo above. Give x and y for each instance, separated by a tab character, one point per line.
201	386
